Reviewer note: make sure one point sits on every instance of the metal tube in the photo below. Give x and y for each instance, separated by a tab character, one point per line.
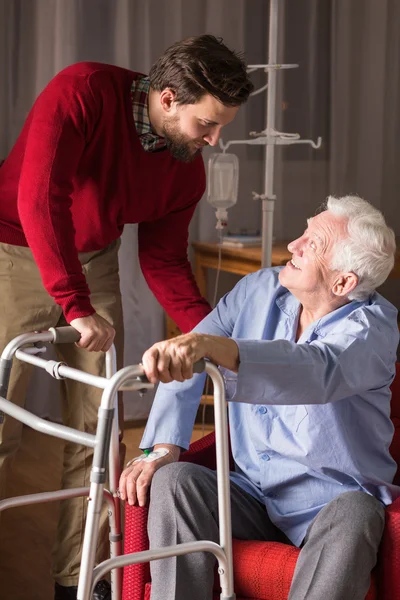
60	431
70	373
76	375
8	354
114	517
111	362
89	549
63	371
5	373
25	338
35	349
42	497
267	229
31	359
148	555
113	460
135	386
118	380
269	198
102	382
90	541
97	478
114	508
223	481
96	489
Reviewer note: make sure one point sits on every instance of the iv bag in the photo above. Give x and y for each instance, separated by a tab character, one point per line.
223	177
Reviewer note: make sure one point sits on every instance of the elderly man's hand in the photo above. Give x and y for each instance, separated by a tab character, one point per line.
136	478
173	360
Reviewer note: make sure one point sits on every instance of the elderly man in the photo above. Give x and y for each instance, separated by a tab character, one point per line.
308	352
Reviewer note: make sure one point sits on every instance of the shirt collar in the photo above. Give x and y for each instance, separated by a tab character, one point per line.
150	140
289	305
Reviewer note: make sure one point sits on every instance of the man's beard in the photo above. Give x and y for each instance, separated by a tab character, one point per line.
177	143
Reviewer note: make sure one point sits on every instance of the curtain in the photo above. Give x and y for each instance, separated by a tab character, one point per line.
347	89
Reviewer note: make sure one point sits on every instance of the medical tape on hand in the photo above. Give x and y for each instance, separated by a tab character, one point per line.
151	457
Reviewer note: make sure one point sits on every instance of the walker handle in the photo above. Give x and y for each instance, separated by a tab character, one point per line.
69	335
65	335
199	366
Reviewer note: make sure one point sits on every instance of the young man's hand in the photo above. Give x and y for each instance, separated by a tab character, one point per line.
97	335
135	479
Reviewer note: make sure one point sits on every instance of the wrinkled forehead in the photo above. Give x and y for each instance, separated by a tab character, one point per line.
328	225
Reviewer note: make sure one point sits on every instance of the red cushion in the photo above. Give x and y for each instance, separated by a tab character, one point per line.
395	416
216	596
263	570
389	554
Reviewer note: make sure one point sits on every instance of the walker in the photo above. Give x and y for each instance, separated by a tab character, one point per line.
27	347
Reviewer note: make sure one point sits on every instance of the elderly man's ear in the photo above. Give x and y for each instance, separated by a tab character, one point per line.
344	284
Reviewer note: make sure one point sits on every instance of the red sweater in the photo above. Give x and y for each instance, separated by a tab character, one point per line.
78	173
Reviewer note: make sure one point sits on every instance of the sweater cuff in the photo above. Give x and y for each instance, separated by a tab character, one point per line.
76	309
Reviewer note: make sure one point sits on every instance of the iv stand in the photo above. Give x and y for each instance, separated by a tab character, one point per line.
269	136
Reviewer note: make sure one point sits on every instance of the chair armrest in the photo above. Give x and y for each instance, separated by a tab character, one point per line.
135	540
202	452
389	554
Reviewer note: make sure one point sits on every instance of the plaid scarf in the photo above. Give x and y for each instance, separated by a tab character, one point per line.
150	141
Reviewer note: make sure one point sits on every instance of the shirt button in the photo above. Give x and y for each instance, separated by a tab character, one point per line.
265	456
262	410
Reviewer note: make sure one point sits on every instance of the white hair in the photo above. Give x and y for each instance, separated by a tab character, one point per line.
369	250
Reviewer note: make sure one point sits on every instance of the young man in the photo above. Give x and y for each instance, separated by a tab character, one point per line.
102	147
308	352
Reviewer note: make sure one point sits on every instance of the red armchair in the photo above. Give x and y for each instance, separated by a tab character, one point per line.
264	570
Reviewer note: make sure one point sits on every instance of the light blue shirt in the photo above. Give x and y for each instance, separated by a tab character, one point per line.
310	419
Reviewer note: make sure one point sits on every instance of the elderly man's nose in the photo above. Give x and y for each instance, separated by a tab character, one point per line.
295	246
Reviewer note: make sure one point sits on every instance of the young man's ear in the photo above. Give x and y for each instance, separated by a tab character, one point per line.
344	284
168	100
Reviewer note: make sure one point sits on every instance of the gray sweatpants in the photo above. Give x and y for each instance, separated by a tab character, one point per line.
335	562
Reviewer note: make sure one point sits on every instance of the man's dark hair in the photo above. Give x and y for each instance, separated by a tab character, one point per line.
202	65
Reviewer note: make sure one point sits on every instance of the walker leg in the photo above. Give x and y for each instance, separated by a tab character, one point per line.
97	478
114	512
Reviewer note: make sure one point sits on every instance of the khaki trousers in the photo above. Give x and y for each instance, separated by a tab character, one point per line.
26	306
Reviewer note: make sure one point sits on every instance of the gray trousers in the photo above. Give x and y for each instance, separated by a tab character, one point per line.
335	562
